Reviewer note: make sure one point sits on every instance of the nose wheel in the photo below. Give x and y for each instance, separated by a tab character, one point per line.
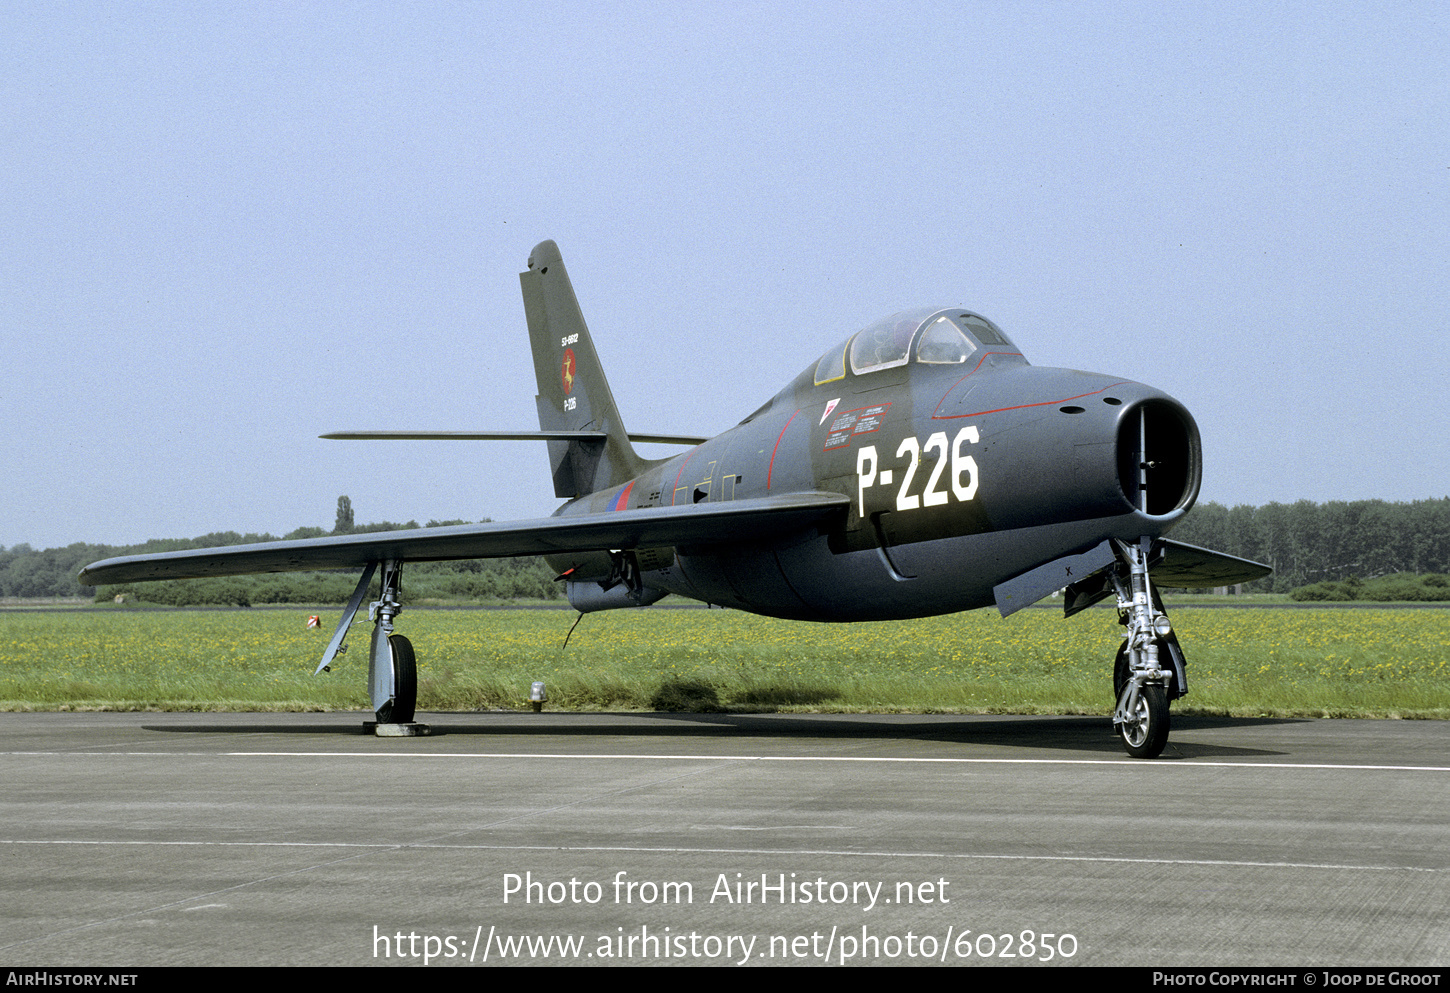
1144	728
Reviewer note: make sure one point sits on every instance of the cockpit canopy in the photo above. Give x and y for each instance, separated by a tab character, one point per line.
941	337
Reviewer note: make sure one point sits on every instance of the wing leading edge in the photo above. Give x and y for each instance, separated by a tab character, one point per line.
698	524
1084	575
599	436
1190	566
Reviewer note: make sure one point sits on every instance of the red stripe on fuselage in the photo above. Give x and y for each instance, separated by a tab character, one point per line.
783	430
680	473
937	415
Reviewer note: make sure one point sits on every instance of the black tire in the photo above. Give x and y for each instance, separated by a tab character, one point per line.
405	680
1120	673
1146	732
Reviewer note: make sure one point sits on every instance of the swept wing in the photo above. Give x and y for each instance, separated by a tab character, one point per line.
648	527
596	436
1192	567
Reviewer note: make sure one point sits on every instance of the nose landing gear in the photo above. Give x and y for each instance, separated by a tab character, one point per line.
1150	670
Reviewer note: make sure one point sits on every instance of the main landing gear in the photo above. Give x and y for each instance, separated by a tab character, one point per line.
392	666
1150	670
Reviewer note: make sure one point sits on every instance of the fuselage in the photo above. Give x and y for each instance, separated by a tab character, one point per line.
965	466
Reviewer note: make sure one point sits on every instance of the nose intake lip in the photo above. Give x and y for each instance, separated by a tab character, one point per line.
1159	460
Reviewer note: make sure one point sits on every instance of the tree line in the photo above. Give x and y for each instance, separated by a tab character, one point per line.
29	573
1309	543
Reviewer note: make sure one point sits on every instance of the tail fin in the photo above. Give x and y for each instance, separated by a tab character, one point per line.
573	393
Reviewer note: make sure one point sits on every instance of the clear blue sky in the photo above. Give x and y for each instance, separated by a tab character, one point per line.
230	228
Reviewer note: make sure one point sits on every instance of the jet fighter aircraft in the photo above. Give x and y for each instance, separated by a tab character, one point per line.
921	466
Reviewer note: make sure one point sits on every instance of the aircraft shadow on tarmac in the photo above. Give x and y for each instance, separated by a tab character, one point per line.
1073	734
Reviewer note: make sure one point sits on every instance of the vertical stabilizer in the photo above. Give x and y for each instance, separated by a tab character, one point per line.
573	393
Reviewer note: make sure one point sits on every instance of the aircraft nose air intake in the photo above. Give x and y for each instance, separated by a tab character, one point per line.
1159	461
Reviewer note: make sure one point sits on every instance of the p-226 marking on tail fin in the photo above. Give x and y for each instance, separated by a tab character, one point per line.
573	392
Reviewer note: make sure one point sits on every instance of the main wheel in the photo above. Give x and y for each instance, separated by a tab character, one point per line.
405	680
1145	732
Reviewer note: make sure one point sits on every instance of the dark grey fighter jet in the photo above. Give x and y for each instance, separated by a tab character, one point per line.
921	467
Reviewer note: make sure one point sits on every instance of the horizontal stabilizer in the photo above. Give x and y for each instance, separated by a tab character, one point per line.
600	436
646	527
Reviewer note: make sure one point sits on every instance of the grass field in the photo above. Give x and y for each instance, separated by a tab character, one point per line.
1367	663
